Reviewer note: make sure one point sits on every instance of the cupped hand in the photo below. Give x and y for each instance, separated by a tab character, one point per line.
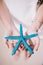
11	43
33	42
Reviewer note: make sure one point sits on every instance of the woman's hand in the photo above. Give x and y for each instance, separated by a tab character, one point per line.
10	44
33	42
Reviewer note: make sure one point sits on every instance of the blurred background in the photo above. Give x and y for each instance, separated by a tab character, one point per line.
5	55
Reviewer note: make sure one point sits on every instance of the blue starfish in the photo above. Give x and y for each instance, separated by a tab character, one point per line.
22	39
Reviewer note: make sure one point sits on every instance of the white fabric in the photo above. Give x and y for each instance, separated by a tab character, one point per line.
23	10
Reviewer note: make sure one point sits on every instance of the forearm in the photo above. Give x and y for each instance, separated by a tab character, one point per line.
38	20
36	25
6	17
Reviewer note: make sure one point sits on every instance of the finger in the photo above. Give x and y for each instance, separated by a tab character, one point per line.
13	45
27	54
7	43
17	54
27	40
32	46
37	43
30	42
22	46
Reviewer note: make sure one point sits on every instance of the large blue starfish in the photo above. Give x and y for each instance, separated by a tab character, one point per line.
22	39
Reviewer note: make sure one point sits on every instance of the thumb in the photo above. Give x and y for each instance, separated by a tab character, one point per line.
37	43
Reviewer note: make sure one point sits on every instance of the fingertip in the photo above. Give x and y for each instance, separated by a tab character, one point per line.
7	43
36	46
27	54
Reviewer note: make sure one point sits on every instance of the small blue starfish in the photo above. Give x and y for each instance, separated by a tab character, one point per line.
22	39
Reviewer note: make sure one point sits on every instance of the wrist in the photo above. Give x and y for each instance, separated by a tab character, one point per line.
32	29
35	26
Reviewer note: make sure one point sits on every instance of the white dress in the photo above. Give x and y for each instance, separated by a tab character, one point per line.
23	10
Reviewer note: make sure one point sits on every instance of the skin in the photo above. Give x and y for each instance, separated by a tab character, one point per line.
7	21
35	26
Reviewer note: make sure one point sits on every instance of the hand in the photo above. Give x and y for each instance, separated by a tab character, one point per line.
33	42
10	44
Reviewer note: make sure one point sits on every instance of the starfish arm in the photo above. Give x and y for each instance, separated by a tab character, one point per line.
29	49
16	47
12	37
30	36
21	31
